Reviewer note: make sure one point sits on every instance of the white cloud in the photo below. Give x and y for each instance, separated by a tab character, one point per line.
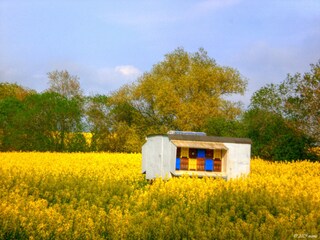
93	80
107	79
100	80
116	75
128	71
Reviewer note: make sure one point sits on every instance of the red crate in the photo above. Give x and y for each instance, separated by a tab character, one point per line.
217	165
200	164
184	164
209	153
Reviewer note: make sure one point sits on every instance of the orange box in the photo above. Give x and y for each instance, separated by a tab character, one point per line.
200	164
184	163
217	165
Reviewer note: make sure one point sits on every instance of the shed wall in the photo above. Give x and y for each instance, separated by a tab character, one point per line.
238	159
158	157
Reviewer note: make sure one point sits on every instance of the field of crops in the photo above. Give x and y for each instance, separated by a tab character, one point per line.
104	196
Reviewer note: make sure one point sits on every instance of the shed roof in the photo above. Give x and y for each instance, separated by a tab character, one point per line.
209	139
197	144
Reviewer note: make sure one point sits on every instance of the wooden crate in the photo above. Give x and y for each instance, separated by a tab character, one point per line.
184	163
217	165
200	164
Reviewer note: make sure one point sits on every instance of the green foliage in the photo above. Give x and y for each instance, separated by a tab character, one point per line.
77	143
284	119
303	101
184	91
9	124
274	138
223	127
269	98
296	99
40	122
97	110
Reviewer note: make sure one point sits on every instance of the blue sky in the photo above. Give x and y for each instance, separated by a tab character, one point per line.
110	43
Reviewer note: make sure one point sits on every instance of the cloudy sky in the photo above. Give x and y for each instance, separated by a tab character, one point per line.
110	43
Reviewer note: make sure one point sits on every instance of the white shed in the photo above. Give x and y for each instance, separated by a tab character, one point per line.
179	153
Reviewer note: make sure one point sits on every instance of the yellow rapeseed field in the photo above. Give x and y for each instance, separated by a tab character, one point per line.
104	196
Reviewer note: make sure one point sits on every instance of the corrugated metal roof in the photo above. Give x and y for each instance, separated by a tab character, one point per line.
197	144
209	139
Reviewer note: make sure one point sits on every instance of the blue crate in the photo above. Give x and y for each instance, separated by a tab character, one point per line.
201	153
178	163
208	166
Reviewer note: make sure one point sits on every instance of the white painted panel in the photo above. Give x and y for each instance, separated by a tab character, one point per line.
157	157
238	159
153	158
166	157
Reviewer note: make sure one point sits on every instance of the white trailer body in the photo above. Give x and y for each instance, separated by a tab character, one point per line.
177	154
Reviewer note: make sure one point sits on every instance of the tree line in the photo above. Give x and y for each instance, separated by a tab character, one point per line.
185	91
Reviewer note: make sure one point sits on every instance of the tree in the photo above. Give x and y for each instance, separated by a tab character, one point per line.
33	123
303	104
113	124
284	119
14	90
123	138
184	91
70	106
127	126
65	84
274	137
219	126
9	124
270	98
66	118
295	99
97	109
40	122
